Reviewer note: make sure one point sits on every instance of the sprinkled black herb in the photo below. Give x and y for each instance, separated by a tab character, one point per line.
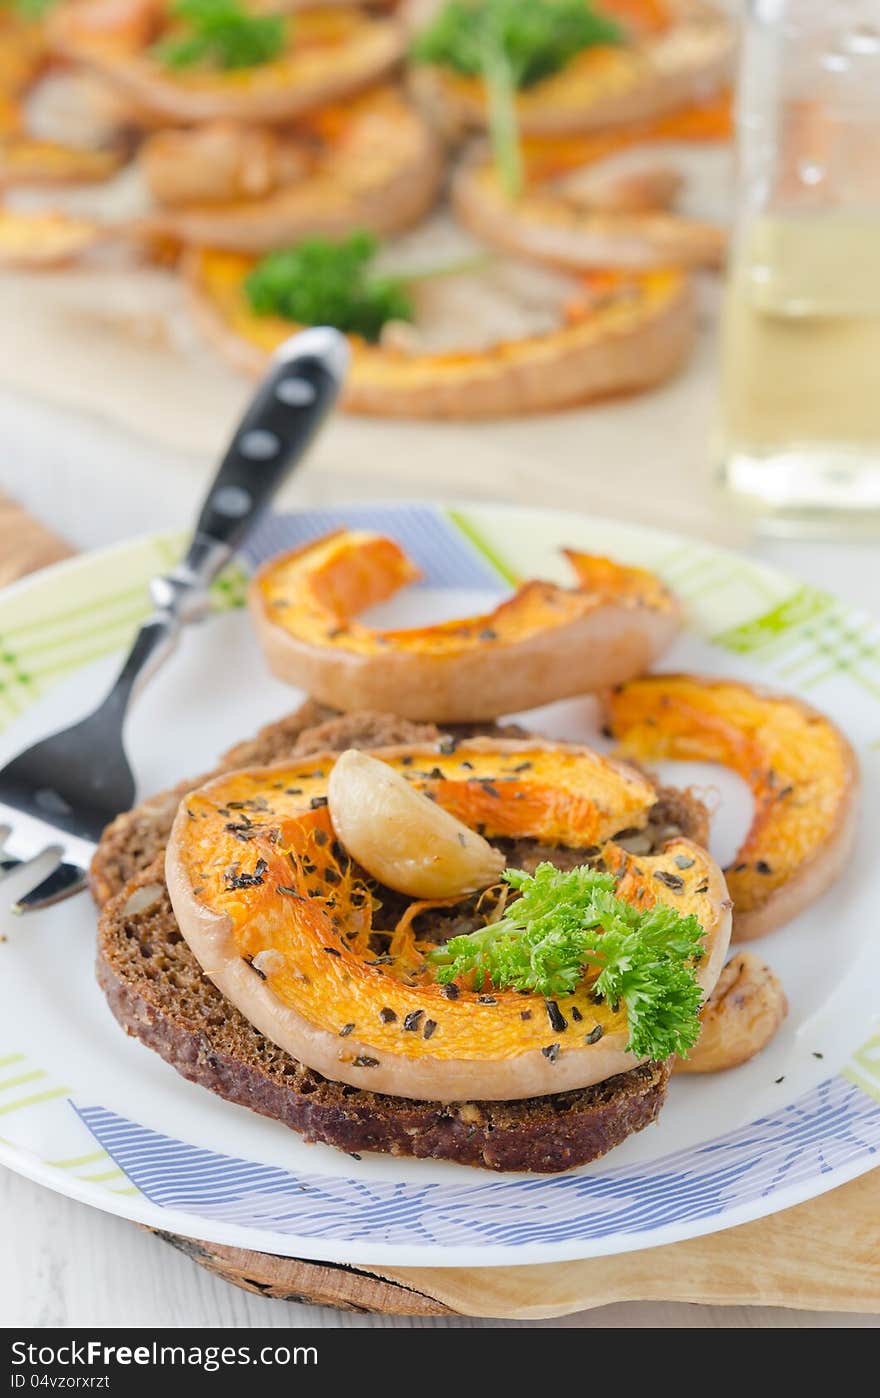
556	1017
290	892
321	837
762	866
317	802
594	1035
413	1020
451	991
447	744
486	1000
817	1054
551	1051
332	951
488	634
684	861
387	1015
576	1014
364	1061
525	1014
253	880
779	1080
489	789
243	830
670	880
345	1030
430	1026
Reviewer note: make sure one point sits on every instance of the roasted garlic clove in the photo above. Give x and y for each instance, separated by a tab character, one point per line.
740	1017
402	838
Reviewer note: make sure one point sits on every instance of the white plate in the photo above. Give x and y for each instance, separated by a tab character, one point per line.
99	1117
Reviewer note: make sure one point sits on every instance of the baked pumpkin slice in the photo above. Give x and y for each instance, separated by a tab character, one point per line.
602	199
801	770
318	56
285	923
662	56
543	643
371	163
471	351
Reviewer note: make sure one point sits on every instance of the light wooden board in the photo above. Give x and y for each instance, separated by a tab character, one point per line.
822	1255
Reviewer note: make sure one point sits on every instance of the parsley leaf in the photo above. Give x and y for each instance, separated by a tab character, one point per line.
221	34
567	925
536	38
320	282
511	44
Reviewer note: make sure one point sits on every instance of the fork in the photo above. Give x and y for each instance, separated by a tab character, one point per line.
58	795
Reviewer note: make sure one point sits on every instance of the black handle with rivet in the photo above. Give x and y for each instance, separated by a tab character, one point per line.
292	401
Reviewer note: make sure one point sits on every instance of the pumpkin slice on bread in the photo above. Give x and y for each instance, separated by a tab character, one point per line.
603	199
801	770
668	56
599	336
372	162
281	919
159	993
544	643
325	55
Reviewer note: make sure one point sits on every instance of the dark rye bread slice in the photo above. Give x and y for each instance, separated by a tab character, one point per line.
157	991
159	994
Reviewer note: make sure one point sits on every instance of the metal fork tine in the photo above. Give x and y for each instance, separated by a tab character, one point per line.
64	880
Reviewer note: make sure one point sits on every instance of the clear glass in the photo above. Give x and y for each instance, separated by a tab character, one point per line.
799	430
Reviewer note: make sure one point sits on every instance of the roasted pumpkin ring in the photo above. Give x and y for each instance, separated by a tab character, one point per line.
285	924
658	72
543	643
330	54
801	770
543	224
373	164
638	333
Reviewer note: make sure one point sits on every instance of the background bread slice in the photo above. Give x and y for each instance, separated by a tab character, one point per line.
159	994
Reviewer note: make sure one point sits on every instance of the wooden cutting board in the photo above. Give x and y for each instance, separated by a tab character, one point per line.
822	1255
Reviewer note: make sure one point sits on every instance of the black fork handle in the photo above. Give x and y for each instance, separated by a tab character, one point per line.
272	437
291	403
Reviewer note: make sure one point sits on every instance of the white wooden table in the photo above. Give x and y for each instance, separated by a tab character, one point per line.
68	1265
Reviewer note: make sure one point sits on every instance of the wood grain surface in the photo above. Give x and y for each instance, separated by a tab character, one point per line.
823	1255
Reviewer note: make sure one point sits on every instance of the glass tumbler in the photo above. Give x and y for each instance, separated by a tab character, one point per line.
799	429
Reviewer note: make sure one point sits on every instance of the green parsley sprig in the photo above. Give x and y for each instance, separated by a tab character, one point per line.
566	925
320	282
221	34
511	44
